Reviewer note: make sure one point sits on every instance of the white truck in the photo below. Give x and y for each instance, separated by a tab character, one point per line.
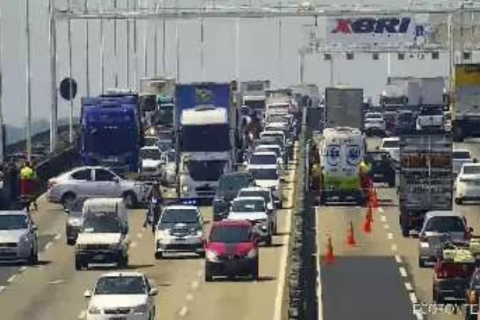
344	107
157	93
253	94
401	92
104	233
465	110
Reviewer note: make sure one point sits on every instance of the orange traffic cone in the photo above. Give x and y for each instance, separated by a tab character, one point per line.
351	236
367	225
369	215
329	257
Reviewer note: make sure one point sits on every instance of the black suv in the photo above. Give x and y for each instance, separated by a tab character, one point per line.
228	187
383	170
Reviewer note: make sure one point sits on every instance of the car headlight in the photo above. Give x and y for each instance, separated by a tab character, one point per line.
185	188
94	310
211	255
143	308
23	240
252	253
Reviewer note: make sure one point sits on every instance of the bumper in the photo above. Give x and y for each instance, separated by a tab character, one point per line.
139	316
448	291
109	256
240	267
14	254
467	193
180	246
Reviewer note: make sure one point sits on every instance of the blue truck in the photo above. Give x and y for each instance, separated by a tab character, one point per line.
207	136
111	132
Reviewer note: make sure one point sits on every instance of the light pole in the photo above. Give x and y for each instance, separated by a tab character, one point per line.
2	138
115	6
87	51
237	49
128	48
53	76
29	82
70	67
102	51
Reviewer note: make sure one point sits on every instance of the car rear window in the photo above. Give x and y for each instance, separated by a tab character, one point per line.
445	224
230	234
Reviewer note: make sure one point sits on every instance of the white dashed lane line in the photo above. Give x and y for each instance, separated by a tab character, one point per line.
398	258
390	236
183	312
82	315
408	286
12	278
58	236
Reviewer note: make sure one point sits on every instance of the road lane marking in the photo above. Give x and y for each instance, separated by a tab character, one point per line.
12	278
58	236
23	268
189	297
394	247
199	273
390	236
403	272
419	315
386	226
383	218
82	315
183	311
319	276
408	286
195	285
398	258
57	281
2	288
413	297
284	255
133	244
381	210
48	245
139	235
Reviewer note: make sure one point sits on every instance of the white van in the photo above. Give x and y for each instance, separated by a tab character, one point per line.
103	237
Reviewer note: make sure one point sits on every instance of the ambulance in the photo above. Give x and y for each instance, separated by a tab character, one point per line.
341	149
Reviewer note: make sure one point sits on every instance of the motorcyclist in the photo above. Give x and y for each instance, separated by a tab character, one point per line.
154	194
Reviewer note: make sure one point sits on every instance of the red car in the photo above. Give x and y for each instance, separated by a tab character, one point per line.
231	250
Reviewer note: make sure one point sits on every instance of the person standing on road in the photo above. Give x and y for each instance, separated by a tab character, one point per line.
27	184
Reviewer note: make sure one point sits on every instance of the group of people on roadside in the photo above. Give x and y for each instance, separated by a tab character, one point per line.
18	184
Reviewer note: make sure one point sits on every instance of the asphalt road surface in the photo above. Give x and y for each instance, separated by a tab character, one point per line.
53	290
379	278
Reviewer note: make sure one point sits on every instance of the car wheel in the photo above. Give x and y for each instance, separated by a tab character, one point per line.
68	198
158	255
71	242
201	254
33	260
78	264
280	205
275	229
405	232
208	277
130	199
421	263
123	261
268	241
459	201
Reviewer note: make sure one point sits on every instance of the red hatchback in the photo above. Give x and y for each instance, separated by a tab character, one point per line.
231	250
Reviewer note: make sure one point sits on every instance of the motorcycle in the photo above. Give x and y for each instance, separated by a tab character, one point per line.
153	213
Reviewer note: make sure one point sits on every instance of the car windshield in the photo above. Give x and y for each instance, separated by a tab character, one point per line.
461	155
271	148
153	154
121	285
471	169
230	234
101	224
179	216
151	141
234	182
257	193
264	174
445	225
263	159
13	222
247	205
391	144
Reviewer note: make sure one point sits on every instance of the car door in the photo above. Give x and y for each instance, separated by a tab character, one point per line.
81	183
106	184
150	302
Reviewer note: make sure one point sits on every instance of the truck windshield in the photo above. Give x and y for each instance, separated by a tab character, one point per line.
393	100
206	138
390	144
110	141
102	224
165	116
205	170
153	154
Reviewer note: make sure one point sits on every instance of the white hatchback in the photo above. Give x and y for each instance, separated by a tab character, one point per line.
467	184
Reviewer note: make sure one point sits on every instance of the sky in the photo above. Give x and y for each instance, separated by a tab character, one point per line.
258	57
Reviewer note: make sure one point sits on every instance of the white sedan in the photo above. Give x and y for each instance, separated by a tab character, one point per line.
126	294
467	184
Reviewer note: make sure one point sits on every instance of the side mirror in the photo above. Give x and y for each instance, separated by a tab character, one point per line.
87	294
116	179
153	292
282	179
34	227
470	230
269	206
66	211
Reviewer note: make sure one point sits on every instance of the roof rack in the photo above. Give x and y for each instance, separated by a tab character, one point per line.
463	252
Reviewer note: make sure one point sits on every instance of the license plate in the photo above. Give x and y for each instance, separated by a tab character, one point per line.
118	318
378	175
180	238
99	257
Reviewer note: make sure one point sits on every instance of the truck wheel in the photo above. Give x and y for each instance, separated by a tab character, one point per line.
158	255
123	261
78	264
268	241
405	232
33	260
421	263
458	201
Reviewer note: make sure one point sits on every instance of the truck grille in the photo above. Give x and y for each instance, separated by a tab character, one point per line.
205	190
117	311
94	247
8	245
